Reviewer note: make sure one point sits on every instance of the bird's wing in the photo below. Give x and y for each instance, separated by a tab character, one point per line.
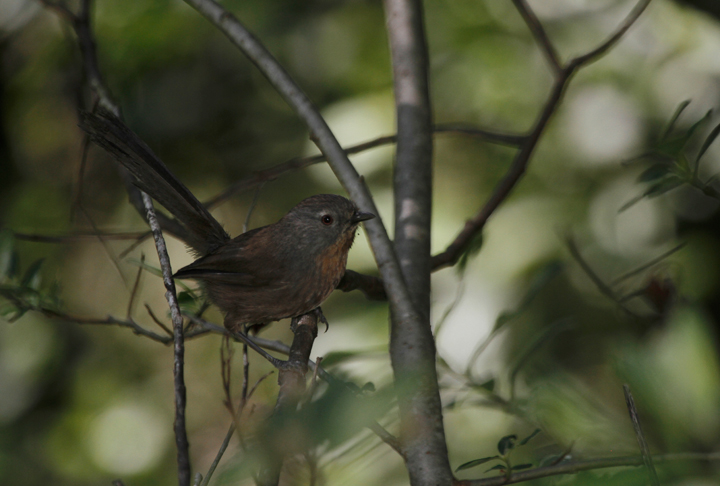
238	262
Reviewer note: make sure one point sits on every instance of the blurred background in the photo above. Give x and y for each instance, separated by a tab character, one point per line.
85	404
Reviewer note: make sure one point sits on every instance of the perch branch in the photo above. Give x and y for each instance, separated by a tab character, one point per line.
181	441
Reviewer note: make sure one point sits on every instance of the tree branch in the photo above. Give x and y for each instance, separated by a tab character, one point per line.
519	165
588	465
538	31
292	387
261	176
399	297
412	347
181	441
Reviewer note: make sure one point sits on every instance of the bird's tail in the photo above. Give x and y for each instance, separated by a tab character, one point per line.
152	176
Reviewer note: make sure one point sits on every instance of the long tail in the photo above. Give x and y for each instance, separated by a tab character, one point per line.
152	176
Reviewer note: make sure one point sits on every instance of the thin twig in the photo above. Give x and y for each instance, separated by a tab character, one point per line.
239	336
587	465
181	441
644	449
386	437
135	288
111	255
108	321
158	321
647	265
519	165
252	207
77	202
266	175
36	238
613	39
538	31
230	432
599	283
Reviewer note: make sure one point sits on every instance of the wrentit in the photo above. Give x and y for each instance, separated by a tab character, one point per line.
281	270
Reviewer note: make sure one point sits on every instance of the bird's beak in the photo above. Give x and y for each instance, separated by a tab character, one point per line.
360	216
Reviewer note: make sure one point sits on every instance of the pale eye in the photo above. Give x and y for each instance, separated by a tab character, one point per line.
327	220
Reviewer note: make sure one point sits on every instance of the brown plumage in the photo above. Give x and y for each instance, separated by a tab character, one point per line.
285	269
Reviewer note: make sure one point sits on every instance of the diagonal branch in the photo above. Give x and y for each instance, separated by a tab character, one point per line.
259	177
538	31
397	290
520	163
181	441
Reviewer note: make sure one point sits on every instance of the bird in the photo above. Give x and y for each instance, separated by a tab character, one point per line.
282	270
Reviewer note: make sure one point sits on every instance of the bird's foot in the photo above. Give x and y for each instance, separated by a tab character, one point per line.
321	318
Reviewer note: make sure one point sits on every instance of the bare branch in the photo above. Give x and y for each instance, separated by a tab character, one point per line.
519	165
107	321
603	48
588	465
599	283
386	437
181	441
538	31
266	175
36	238
136	286
644	449
371	286
158	321
412	346
292	387
239	336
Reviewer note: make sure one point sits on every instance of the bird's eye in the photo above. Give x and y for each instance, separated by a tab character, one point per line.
327	220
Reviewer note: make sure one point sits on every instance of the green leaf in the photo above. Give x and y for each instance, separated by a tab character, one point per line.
145	266
368	387
654	172
506	443
521	466
529	437
472	249
697	124
32	276
186	297
189	301
475	462
663	186
499	467
708	141
673	147
674	118
7	250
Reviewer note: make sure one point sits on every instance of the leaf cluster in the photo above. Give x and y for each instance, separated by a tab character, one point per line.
671	164
22	291
505	447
